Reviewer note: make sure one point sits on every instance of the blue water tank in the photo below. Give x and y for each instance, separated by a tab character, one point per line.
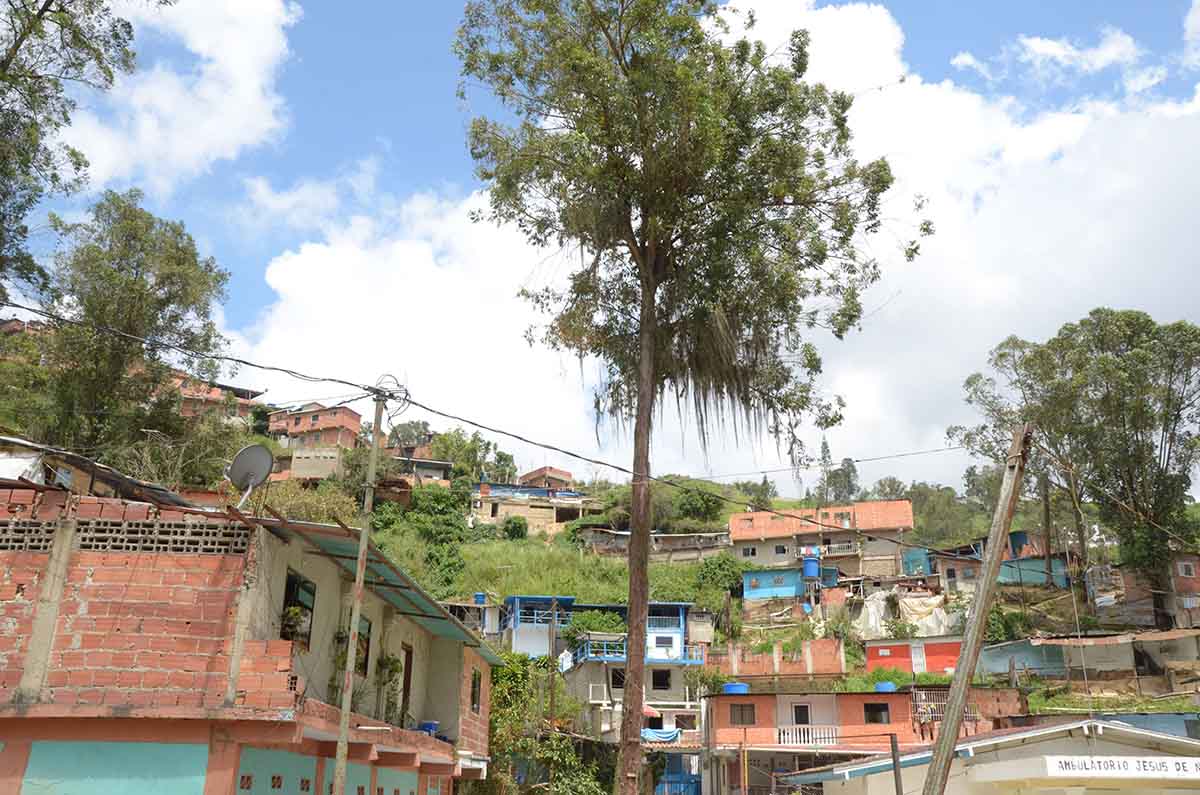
812	568
885	687
480	598
735	688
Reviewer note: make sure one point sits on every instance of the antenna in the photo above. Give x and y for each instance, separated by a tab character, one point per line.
250	468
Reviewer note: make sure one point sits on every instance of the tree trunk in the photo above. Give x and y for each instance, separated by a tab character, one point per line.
630	760
1044	487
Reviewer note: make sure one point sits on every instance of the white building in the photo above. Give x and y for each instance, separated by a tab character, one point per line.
1088	756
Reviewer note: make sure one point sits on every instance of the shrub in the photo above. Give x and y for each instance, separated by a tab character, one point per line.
515	528
592	621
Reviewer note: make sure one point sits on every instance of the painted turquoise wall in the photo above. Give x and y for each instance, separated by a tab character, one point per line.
1032	571
772	584
72	768
391	780
262	764
356	776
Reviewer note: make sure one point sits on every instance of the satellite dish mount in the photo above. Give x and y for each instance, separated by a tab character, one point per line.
250	469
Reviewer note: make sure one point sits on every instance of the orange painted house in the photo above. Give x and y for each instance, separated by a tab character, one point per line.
193	651
915	655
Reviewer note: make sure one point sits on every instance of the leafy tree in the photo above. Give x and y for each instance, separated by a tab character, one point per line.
843	482
761	493
889	488
716	204
409	433
260	420
824	492
722	572
48	51
1114	401
127	270
473	456
698	504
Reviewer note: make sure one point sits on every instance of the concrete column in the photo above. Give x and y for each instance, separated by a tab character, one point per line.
45	616
777	656
14	757
808	661
244	611
224	760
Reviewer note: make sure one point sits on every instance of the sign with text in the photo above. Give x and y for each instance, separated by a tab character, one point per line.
1161	767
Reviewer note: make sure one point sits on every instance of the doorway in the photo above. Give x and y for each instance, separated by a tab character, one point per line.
406	693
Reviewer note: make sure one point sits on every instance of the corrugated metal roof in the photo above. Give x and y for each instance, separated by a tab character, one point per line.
1117	640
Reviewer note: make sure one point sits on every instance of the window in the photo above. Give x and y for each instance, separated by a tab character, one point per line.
618	679
685	722
663	642
476	690
314	419
749	552
968	572
299	598
654	723
800	715
777	580
741	714
363	655
1187	569
781	549
660	680
876	713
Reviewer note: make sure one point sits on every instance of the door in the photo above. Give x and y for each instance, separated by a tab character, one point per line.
407	691
918	658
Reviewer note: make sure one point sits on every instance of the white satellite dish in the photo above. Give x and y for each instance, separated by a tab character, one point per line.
250	468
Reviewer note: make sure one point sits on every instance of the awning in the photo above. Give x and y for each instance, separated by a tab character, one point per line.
650	712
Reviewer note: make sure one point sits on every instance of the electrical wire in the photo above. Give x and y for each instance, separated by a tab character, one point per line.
398	392
855	460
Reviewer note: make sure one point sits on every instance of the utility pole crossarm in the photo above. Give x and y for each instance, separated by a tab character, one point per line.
1010	491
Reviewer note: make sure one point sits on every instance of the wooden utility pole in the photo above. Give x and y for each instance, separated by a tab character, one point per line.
553	675
956	702
364	534
896	764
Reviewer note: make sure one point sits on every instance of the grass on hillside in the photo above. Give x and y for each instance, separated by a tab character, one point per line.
1040	702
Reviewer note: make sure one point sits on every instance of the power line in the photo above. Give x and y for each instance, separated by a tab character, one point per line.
401	393
855	460
195	354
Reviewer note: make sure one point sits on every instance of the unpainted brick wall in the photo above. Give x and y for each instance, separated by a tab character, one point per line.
473	727
154	629
20	576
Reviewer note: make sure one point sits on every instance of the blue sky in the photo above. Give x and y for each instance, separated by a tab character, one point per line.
319	155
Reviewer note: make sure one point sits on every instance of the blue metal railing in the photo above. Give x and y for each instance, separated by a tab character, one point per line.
615	651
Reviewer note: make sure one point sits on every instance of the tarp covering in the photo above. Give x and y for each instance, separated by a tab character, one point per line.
660	735
874	612
929	615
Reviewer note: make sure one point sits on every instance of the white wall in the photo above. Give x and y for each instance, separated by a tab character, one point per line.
822	709
1116	657
441	702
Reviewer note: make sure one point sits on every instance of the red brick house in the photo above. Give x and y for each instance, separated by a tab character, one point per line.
547	478
200	648
314	425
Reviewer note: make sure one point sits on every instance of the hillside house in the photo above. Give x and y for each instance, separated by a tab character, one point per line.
547	478
664	547
1147	605
806	728
916	655
545	510
198	649
859	538
314	437
1024	563
198	397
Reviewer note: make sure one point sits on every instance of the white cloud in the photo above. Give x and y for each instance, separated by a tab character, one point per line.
965	60
1116	48
162	124
309	204
1191	36
1040	218
1138	80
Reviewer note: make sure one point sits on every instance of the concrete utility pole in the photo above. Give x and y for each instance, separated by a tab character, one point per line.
895	745
360	570
956	701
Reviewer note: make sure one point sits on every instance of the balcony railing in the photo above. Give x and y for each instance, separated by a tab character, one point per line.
828	550
615	651
663	622
933	704
529	615
810	734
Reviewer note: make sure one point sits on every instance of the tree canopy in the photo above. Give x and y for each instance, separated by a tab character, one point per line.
47	52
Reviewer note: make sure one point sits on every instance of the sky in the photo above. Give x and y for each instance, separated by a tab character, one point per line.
321	158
